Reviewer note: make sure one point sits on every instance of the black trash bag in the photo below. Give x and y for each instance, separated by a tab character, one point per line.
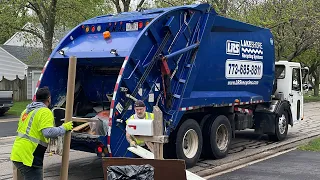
132	172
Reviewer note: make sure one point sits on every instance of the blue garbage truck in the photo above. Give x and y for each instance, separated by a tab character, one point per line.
211	76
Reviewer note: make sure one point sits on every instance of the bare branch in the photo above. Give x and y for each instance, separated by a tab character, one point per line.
44	8
140	4
117	4
36	9
31	31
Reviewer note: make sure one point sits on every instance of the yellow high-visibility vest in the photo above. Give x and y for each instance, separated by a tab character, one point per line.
30	144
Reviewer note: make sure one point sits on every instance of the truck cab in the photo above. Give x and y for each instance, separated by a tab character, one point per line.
289	86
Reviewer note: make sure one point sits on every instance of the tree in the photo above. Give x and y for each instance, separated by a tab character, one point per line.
295	24
311	59
50	15
220	6
124	5
169	3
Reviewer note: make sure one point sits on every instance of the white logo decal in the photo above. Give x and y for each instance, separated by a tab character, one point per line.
248	49
233	47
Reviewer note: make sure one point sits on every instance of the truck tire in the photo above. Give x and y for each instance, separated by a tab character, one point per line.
217	137
3	111
281	126
189	142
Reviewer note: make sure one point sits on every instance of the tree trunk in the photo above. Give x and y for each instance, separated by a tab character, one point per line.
316	84
47	45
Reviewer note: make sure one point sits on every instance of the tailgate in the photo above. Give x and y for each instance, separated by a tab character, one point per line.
6	94
6	98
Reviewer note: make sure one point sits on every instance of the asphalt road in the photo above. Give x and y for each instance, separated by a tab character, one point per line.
8	127
294	165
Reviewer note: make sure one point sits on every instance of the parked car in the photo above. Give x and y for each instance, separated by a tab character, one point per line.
6	101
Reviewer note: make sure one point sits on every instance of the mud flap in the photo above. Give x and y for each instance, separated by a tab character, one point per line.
265	122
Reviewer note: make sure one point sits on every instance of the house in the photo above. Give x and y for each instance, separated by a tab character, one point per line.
22	56
26	62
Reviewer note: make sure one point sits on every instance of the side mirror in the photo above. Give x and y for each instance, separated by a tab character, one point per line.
305	79
305	75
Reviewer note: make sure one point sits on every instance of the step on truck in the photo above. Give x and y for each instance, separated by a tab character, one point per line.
210	75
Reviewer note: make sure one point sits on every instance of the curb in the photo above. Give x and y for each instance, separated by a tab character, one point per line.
252	157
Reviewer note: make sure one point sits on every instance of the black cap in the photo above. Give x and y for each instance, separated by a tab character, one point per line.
139	103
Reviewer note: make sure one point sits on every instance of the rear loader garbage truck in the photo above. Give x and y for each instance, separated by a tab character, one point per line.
210	75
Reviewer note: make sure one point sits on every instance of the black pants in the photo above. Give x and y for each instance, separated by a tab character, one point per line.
29	173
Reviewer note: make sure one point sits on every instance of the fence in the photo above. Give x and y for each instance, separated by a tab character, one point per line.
18	86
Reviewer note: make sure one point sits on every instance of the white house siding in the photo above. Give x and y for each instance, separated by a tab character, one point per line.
32	80
10	67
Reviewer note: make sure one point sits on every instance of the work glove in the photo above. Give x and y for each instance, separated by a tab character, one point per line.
133	144
68	126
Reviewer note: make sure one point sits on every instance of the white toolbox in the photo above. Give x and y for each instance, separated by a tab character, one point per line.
141	127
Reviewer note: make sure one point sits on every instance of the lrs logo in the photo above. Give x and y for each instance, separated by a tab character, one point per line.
233	47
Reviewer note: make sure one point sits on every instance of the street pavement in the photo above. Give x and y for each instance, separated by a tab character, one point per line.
294	165
8	128
246	145
8	125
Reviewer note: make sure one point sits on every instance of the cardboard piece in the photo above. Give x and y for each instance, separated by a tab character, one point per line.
144	153
171	169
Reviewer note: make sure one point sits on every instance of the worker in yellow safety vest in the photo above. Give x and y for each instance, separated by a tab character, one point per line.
140	113
35	127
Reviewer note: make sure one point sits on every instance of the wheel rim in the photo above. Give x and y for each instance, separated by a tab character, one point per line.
190	143
222	137
282	124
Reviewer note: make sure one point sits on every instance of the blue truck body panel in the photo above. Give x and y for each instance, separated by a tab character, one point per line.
213	61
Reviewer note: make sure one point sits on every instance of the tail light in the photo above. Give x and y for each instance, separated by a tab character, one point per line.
99	149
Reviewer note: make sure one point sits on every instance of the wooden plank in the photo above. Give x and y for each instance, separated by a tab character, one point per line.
68	116
155	139
78	128
78	119
158	131
163	169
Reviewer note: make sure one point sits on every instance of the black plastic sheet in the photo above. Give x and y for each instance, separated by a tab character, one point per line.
132	172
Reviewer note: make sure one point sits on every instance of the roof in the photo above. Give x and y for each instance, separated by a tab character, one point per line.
32	57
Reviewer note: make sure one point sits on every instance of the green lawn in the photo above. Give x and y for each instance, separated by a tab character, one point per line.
313	145
311	98
18	107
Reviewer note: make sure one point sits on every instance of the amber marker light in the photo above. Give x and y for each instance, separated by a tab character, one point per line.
106	34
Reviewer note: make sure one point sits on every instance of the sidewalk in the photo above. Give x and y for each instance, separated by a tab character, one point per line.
294	165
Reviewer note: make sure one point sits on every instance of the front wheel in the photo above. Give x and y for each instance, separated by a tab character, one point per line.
281	126
189	142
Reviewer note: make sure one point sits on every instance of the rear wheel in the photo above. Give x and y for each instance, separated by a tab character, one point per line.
189	142
218	134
